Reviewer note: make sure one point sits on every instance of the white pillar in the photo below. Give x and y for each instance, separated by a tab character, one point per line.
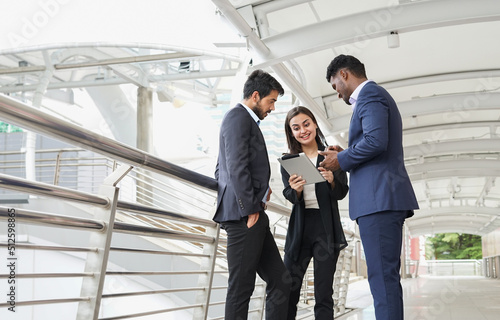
37	103
403	254
145	119
144	141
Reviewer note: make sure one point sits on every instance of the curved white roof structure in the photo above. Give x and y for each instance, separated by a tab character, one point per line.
438	58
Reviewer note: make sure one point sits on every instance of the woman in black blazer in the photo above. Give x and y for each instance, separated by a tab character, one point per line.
314	230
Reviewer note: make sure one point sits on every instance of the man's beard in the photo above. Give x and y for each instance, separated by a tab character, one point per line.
258	111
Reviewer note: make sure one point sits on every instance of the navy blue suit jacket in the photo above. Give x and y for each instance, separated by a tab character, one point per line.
243	170
379	181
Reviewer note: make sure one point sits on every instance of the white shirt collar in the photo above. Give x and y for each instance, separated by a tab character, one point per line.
354	96
252	114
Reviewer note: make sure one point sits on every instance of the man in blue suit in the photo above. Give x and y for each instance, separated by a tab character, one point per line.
243	174
381	196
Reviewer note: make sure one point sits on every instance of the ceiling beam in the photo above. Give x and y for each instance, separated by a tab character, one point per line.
461	197
457	224
19	70
62	85
435	78
82	46
431	78
262	52
458	108
127	60
372	24
452	147
449	126
446	174
457	164
489	183
430	226
442	228
119	80
457	211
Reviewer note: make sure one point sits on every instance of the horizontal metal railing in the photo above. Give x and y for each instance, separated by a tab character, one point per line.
34	217
464	267
65	167
157	212
174	234
29	187
491	266
47	219
43	189
51	219
24	116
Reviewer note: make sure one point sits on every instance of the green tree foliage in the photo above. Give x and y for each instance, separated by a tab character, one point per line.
5	127
448	246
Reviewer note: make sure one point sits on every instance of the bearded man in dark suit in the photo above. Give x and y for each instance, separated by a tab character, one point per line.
243	174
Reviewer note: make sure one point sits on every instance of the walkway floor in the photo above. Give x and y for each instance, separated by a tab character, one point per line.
434	298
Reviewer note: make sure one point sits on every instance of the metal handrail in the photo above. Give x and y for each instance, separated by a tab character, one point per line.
44	189
25	116
185	254
155	232
40	188
142	314
45	301
37	217
50	275
45	218
453	267
20	114
44	247
158	184
155	273
157	212
140	293
118	227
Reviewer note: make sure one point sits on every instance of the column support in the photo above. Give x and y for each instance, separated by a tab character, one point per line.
30	146
144	142
404	273
97	260
206	280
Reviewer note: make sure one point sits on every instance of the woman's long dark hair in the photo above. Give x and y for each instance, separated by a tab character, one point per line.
294	146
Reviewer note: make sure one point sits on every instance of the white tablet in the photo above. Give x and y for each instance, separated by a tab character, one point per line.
301	165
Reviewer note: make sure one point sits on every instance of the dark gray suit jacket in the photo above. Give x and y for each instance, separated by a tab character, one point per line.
242	170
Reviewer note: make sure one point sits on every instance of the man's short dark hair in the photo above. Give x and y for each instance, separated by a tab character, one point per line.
345	62
263	83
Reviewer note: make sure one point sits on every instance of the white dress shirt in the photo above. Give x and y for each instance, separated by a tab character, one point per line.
257	120
355	93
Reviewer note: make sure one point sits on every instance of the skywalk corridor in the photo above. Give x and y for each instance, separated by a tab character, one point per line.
435	298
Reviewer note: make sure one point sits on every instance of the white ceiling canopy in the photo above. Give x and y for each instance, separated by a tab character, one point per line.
438	59
88	64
